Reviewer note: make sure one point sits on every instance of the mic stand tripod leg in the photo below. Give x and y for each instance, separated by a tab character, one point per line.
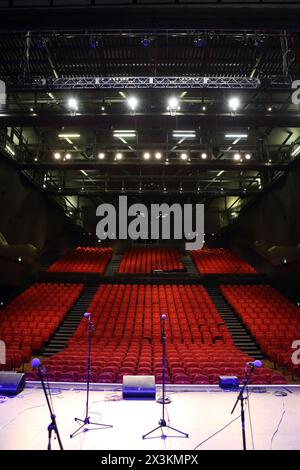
162	422
86	420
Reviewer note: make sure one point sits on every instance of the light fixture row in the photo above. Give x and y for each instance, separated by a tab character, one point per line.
147	156
173	104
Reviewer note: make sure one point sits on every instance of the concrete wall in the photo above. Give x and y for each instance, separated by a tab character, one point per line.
28	217
274	219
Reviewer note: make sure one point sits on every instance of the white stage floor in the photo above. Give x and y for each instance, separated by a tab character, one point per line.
200	412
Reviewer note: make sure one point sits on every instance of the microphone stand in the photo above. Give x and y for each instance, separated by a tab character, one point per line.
87	420
162	422
242	399
52	426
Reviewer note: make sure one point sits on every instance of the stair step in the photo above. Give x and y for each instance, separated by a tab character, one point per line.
69	325
240	335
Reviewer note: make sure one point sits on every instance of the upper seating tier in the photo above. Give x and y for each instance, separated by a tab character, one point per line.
83	260
147	260
220	261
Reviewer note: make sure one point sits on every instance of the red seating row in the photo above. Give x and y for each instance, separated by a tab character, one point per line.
188	363
147	260
29	321
127	338
219	261
272	319
84	260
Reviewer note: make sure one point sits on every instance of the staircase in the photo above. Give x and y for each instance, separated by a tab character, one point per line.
240	335
190	266
113	266
64	332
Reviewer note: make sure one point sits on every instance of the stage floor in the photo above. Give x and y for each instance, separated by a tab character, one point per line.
199	411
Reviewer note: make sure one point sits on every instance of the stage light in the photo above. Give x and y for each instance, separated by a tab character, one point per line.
146	155
132	103
73	104
248	156
10	150
32	110
68	156
35	159
203	156
203	108
101	156
295	151
94	42
199	42
158	155
183	156
184	134
57	156
173	104
41	43
236	136
269	108
124	134
237	157
234	103
146	42
119	156
69	136
103	108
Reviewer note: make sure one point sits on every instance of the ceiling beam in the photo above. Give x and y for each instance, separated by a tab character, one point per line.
201	165
151	120
217	15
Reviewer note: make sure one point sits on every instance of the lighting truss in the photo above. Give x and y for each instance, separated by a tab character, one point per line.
83	83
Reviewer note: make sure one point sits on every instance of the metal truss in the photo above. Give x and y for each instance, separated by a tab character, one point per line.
95	83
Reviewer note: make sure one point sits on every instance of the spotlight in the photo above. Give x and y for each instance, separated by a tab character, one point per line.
158	155
199	42
57	156
248	156
173	104
183	156
270	108
237	157
146	42
73	104
103	108
203	108
94	42
68	156
146	155
132	103
234	103
41	43
119	156
101	156
203	156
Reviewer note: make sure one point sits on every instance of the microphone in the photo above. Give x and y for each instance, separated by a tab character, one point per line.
256	363
35	363
87	315
163	317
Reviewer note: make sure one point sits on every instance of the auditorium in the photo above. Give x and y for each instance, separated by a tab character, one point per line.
149	228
